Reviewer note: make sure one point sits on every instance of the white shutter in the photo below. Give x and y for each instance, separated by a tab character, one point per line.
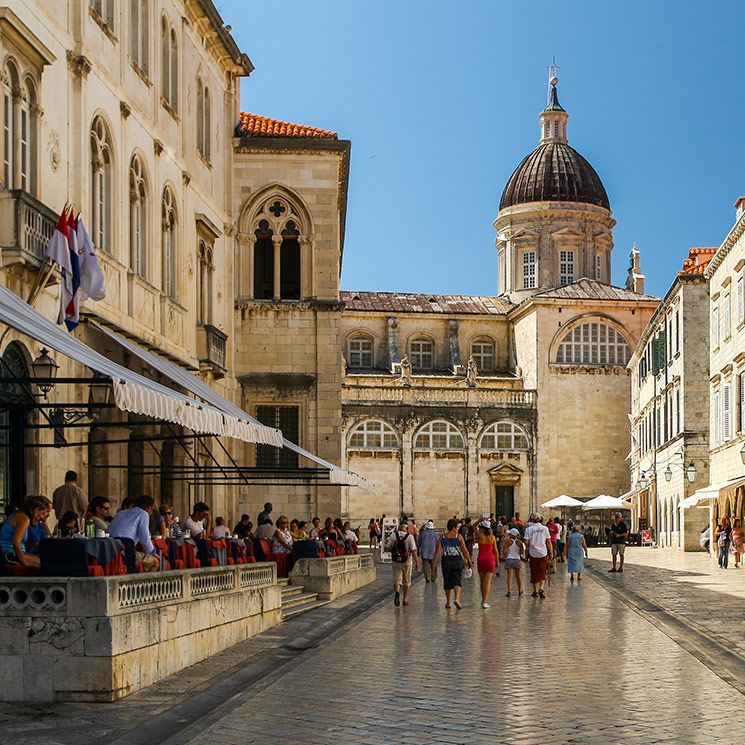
715	433
727	317
740	300
726	411
741	394
715	326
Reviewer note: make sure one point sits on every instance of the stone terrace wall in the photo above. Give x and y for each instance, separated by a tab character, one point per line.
99	639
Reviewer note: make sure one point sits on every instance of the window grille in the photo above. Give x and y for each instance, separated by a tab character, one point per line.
504	436
373	435
439	435
593	344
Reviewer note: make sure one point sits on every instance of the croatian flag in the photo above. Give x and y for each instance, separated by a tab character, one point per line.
91	275
59	251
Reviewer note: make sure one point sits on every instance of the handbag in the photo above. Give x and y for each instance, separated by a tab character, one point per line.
551	566
468	573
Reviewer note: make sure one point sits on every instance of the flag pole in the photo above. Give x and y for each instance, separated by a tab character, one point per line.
44	274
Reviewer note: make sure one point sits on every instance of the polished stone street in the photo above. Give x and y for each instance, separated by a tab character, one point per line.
582	666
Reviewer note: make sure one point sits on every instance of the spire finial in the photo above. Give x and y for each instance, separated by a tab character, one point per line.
552	79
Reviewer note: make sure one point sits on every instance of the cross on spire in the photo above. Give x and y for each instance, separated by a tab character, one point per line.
552	68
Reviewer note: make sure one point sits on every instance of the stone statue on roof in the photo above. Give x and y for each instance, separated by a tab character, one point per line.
405	379
471	372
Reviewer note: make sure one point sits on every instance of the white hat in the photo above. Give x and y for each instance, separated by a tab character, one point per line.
430	524
513	531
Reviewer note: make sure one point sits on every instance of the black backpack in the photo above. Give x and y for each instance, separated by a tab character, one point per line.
399	552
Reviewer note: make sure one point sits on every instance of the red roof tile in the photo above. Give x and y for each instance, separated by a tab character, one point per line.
697	260
408	302
591	289
261	126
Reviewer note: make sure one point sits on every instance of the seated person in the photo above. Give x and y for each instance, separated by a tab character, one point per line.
328	530
315	531
165	525
241	528
221	530
14	531
349	534
301	530
265	531
68	525
134	523
282	541
127	503
98	511
38	532
294	532
339	529
197	525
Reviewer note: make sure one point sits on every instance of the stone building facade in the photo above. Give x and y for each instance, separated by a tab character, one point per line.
670	410
550	349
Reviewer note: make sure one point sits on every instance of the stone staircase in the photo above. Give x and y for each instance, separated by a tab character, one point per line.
295	601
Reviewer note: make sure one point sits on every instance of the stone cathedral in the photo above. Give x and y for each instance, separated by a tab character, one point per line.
470	405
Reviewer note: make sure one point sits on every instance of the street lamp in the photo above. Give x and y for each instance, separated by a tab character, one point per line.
742	454
691	472
668	474
642	483
99	393
45	368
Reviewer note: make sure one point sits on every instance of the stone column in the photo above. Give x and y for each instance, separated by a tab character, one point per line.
392	342
111	482
407	467
277	241
307	275
471	490
246	243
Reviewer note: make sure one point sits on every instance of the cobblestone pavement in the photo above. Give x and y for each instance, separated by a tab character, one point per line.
578	667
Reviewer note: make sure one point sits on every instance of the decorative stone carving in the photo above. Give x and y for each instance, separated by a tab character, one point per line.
124	109
55	156
405	379
78	64
158	147
186	177
471	372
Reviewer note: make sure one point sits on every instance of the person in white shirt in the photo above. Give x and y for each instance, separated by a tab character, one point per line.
197	525
538	540
349	534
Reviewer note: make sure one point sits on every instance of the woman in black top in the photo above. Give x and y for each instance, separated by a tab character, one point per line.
723	537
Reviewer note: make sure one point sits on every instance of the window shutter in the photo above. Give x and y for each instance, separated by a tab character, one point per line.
662	348
726	411
740	300
655	357
715	433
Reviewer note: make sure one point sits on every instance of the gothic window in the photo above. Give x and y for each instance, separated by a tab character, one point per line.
504	436
361	351
287	419
101	184
482	351
528	270
566	267
439	435
289	263
205	257
204	115
373	435
170	250
104	11
8	130
168	64
139	33
593	344
137	217
263	262
422	354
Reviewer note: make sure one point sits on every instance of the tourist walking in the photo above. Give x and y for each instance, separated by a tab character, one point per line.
466	530
488	559
737	541
373	528
575	551
538	540
427	545
560	539
402	546
512	553
455	555
723	536
618	535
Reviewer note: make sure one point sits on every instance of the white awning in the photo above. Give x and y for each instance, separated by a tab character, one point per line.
199	388
134	392
707	492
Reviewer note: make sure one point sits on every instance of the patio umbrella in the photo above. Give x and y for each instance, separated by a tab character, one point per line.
606	502
562	501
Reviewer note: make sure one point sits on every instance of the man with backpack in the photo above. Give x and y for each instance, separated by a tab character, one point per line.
402	546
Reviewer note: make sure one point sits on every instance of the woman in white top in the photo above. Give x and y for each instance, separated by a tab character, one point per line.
221	530
511	552
282	541
349	534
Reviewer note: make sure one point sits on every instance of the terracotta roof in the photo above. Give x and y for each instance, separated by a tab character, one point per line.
251	125
591	289
697	261
407	302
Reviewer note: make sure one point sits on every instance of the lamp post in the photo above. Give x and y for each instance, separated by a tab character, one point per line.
99	393
44	368
668	474
691	472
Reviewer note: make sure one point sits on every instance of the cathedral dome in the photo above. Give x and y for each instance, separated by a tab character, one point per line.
554	172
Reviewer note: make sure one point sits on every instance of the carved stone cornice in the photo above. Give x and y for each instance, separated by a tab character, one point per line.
247	303
124	109
245	240
78	64
186	178
589	369
158	147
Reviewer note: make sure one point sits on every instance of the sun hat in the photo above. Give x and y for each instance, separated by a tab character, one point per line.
536	518
430	524
513	531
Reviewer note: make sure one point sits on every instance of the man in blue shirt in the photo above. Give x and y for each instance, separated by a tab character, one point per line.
135	524
427	545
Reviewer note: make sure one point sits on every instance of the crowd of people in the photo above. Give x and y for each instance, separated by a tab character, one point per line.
501	542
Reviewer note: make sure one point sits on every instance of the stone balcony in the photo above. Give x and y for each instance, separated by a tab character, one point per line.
439	396
26	227
212	349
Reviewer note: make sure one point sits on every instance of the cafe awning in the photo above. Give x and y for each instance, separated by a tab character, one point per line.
133	392
199	388
712	491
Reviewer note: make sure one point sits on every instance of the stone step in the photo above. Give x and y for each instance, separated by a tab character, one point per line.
300	599
290	590
283	581
298	610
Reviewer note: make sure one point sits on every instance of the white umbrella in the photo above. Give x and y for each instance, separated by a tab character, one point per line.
606	502
562	501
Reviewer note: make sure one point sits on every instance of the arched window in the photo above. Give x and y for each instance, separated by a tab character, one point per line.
482	351
137	217
593	343
204	289
422	354
361	351
547	129
105	12
374	435
504	436
289	263
168	227
8	130
139	33
439	435
203	119
168	64
101	184
26	137
263	262
556	128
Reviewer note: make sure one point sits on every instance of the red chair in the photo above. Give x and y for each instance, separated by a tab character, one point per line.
15	570
283	561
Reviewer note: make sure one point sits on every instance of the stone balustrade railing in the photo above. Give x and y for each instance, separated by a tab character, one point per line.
333	577
482	397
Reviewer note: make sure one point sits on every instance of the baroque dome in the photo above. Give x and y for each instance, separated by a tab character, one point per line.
554	172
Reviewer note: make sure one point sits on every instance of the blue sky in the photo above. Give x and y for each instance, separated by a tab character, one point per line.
441	99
